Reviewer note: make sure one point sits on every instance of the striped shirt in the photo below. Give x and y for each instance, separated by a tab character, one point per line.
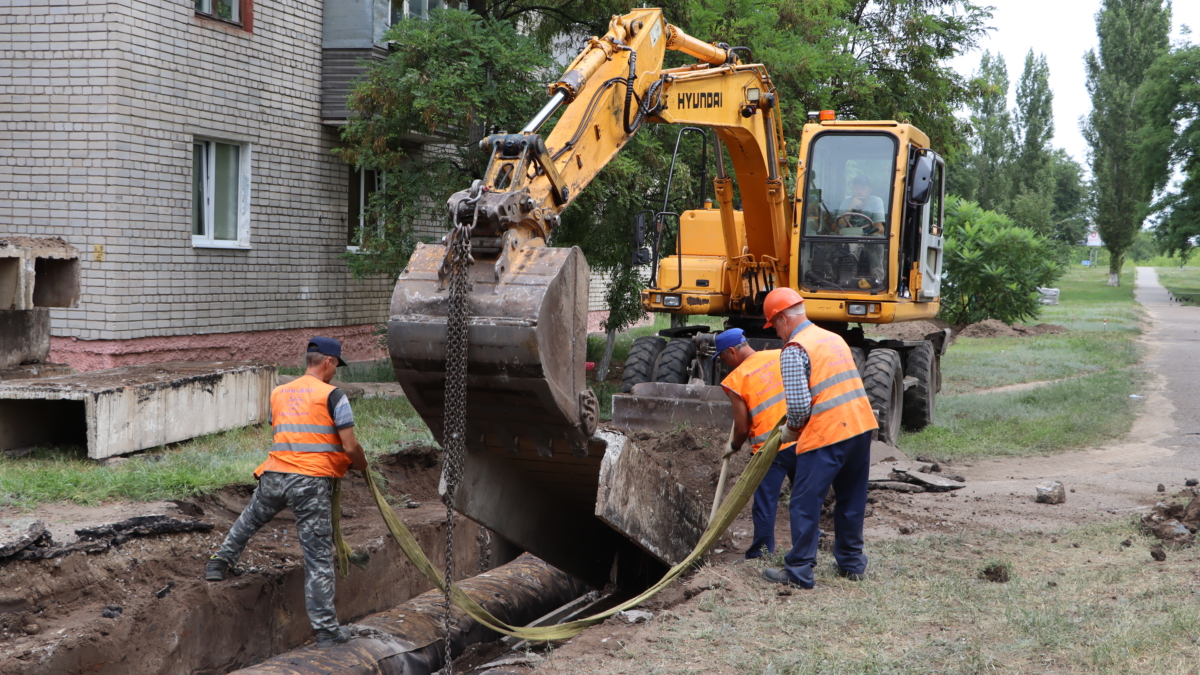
796	369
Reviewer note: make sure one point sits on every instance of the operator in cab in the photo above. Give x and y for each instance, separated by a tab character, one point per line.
314	444
755	389
861	208
830	421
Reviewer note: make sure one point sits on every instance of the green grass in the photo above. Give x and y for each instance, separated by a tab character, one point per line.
982	363
185	469
1095	362
1072	414
1181	282
924	610
596	341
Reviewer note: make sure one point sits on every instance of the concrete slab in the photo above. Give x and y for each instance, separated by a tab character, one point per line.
31	371
659	406
38	272
638	498
123	410
24	336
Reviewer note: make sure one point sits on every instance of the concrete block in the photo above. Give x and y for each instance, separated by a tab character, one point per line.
123	410
659	406
38	272
24	337
639	498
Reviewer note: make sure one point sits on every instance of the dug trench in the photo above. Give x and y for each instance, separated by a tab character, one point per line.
142	607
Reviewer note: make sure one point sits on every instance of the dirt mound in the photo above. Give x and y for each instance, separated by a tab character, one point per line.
693	457
1175	524
995	328
908	330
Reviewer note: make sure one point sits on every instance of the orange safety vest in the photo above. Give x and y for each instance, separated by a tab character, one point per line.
306	441
758	381
840	408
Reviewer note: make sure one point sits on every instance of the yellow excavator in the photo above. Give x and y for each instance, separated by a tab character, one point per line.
860	239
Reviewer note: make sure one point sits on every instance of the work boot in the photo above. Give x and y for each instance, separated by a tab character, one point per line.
329	638
215	569
852	576
780	576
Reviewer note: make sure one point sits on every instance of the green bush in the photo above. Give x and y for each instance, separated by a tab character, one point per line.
993	267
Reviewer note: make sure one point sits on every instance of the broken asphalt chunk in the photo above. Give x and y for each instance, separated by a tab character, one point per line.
1052	493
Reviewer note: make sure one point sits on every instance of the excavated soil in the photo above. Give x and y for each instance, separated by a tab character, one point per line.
994	328
908	330
143	607
693	456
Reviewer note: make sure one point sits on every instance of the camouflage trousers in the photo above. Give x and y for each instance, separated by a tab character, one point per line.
309	498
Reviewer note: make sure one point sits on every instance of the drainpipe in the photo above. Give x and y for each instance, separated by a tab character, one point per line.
408	639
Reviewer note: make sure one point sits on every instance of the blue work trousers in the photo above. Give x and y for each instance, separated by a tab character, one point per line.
844	466
766	501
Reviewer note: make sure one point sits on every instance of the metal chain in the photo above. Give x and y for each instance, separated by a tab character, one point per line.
454	416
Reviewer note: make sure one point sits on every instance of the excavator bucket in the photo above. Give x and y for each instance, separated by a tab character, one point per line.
527	342
536	471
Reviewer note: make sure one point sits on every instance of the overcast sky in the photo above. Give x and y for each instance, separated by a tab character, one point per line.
1064	30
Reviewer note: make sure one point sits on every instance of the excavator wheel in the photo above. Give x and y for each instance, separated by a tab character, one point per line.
675	364
639	365
919	398
883	379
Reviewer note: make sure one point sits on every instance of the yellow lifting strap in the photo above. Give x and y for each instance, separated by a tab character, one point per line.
746	484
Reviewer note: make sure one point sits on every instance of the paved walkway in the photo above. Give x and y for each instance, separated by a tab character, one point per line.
1163	446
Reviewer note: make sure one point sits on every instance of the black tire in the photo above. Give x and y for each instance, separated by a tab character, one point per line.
675	364
884	382
860	359
919	399
639	365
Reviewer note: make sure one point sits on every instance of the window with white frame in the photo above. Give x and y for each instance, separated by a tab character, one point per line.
220	194
363	184
229	10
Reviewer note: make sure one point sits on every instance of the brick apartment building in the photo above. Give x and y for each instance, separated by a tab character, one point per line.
185	147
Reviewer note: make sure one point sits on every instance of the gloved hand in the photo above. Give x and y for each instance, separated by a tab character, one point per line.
731	450
790	435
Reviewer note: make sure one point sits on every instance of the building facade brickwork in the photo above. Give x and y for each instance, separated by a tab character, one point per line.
100	104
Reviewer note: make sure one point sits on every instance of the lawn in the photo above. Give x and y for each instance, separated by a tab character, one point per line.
1077	601
1182	282
1094	364
182	470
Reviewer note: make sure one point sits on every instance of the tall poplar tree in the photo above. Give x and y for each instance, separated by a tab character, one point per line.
1033	161
981	174
1133	33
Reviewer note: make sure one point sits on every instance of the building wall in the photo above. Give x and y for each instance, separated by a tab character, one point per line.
99	104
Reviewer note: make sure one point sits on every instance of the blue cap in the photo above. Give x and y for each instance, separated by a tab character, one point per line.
728	338
328	347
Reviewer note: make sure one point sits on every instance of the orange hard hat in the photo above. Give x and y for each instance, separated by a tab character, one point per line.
779	300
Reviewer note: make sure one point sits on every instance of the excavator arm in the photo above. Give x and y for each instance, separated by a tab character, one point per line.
533	459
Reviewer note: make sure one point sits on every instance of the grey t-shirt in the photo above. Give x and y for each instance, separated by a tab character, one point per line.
873	209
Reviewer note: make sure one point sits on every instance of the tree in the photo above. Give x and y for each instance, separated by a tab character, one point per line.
449	78
993	268
1032	167
460	75
981	173
1133	33
1071	197
1169	141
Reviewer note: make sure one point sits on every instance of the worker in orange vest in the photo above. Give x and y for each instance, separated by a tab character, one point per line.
314	443
755	390
830	419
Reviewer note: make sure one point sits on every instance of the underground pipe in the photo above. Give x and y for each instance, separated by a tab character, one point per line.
408	640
